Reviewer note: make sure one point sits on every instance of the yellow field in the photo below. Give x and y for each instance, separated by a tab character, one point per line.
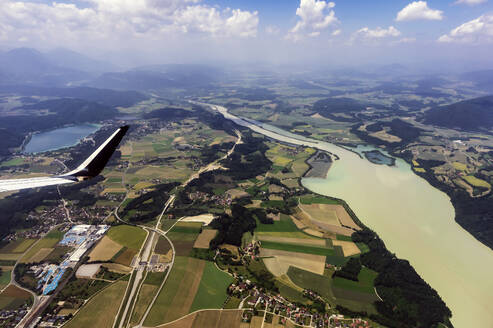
476	182
299	167
115	267
348	247
419	169
10	256
313	232
459	166
321	212
297	241
383	135
119	190
142	185
203	218
205	238
104	250
278	262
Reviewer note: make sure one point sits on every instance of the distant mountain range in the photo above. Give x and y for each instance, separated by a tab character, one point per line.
472	115
59	67
482	79
159	77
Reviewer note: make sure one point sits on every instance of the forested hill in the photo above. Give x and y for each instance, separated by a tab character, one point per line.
61	111
103	96
472	115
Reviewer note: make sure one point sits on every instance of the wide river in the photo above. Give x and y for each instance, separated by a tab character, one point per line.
59	138
415	220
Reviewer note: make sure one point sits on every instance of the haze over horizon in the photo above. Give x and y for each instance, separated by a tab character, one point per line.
444	35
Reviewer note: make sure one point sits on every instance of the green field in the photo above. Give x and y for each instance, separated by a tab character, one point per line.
18	246
144	299
192	228
364	284
12	162
5	278
212	289
290	293
309	280
298	248
128	236
55	234
182	236
285	224
336	260
174	300
101	310
310	199
43	243
154	278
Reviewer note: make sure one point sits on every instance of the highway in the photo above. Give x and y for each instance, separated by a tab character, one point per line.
148	248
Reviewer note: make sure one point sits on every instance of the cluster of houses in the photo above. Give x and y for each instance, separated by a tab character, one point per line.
45	220
312	295
11	318
257	299
224	199
250	251
53	320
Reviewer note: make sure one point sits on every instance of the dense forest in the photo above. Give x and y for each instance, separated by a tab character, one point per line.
471	115
149	205
408	301
405	131
231	228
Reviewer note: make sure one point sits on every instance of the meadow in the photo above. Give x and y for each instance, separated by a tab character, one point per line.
212	288
101	310
127	236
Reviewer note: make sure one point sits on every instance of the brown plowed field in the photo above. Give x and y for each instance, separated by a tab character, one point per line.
297	241
205	238
104	250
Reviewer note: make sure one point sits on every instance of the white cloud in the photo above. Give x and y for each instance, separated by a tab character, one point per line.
470	2
315	16
336	32
479	30
112	21
377	33
418	10
272	30
407	40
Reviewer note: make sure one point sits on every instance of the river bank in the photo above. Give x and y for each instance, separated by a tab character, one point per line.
414	219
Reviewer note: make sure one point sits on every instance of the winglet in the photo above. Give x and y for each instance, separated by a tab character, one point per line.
96	162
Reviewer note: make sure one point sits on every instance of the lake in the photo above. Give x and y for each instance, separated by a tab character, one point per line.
414	219
59	138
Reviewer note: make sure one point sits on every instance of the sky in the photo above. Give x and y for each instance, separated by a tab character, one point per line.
436	33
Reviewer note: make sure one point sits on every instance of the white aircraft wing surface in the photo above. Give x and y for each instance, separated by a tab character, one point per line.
90	168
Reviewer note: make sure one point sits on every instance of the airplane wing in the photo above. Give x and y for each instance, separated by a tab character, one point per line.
90	168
